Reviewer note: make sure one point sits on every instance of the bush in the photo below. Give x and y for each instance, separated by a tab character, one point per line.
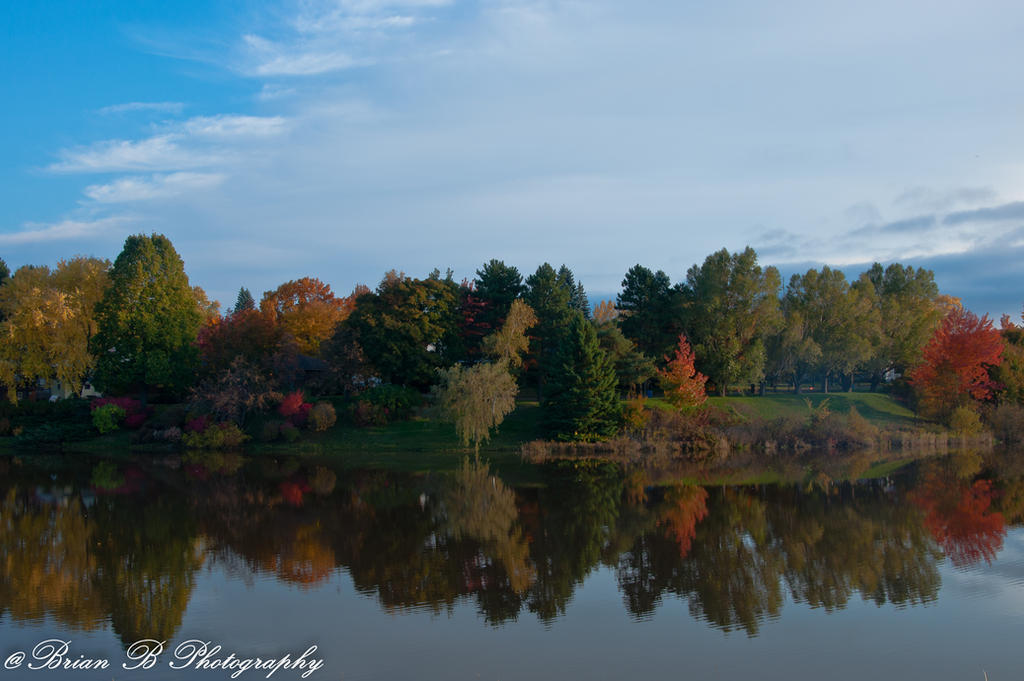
107	417
5	426
397	402
965	421
635	415
322	416
216	436
365	414
295	408
289	432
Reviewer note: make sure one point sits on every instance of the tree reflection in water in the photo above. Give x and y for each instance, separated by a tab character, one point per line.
131	559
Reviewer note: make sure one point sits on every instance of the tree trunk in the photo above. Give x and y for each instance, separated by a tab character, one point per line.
824	383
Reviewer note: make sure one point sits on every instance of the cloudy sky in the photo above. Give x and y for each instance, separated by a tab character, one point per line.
342	138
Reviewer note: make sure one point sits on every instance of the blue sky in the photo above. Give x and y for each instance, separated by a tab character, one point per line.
342	138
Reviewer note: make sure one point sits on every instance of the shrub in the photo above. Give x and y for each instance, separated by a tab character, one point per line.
5	426
107	417
289	432
198	424
216	436
322	416
397	402
295	408
635	415
365	414
965	421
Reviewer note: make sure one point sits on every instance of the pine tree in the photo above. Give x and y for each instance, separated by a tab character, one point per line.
245	301
580	401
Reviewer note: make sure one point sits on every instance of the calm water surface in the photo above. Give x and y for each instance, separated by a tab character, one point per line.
588	572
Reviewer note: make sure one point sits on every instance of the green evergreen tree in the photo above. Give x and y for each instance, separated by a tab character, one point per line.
577	296
550	302
497	285
245	301
581	402
649	311
147	321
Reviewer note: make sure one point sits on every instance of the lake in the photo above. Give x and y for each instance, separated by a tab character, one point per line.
572	571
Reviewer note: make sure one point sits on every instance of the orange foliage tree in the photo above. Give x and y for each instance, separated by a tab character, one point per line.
955	363
682	383
685	507
307	309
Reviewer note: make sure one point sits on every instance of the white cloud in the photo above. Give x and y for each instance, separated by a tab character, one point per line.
189	144
61	231
274	59
167	107
128	189
226	126
160	152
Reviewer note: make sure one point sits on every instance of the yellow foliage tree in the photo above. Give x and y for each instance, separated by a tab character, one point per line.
48	320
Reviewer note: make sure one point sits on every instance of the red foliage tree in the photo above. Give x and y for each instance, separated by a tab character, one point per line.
682	383
955	363
958	516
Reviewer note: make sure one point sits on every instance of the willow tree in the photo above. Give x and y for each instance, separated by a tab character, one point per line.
148	320
48	320
478	398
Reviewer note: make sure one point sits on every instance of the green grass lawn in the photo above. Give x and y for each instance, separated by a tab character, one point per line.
420	444
878	408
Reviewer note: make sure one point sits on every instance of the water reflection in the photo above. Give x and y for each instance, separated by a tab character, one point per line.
126	547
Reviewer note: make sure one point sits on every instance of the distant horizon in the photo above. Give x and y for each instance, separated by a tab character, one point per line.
339	139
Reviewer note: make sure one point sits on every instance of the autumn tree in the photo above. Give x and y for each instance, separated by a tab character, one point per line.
954	370
730	305
605	312
510	342
208	309
581	402
48	320
1008	375
307	309
682	383
147	320
235	393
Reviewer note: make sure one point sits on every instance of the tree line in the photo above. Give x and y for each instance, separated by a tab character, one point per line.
137	326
